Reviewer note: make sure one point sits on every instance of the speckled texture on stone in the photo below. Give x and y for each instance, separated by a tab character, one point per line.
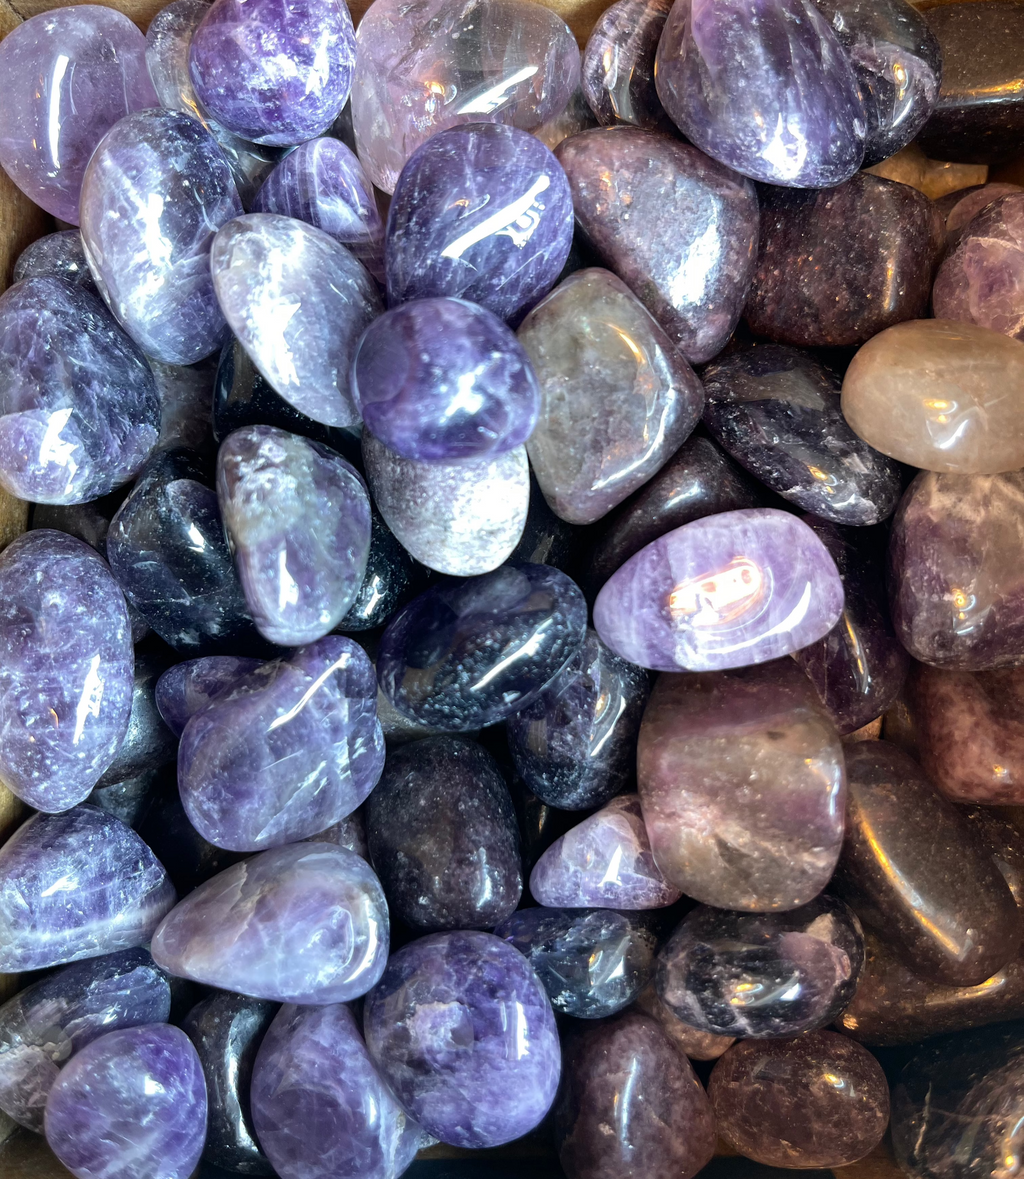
56	255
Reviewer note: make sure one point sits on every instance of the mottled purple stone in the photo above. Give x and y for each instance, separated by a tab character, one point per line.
318	1121
285	751
444	379
131	1103
306	924
481	212
463	1032
678	228
765	87
57	255
186	687
274	71
79	412
76	885
617	72
153	270
725	591
67	76
961	207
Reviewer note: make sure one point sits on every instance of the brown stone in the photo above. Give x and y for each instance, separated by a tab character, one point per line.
692	1042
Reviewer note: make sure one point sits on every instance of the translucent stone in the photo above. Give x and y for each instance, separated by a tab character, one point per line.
617	71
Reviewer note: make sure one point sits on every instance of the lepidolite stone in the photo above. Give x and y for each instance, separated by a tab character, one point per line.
695	1044
617	397
76	885
298	301
186	687
678	228
631	1105
67	77
762	975
132	1102
617	71
962	206
318	1121
153	270
301	924
818	1101
57	255
461	1029
79	412
777	411
481	212
725	591
447	63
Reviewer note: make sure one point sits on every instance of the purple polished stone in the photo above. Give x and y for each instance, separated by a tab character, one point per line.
285	751
463	1032
298	519
274	71
444	379
76	885
298	302
725	591
617	73
318	1121
441	63
131	1103
323	183
57	255
79	412
66	664
764	86
303	924
961	207
481	212
153	270
67	76
186	687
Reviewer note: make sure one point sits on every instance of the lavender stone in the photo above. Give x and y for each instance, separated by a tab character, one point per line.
186	687
617	72
439	1026
57	255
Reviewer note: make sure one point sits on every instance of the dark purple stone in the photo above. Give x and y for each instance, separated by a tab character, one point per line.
617	72
57	255
186	687
148	743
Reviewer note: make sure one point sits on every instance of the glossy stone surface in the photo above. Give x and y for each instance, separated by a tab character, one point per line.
915	871
227	1031
131	1102
617	72
725	591
302	924
186	403
387	583
154	271
68	76
941	396
762	975
808	292
962	206
187	687
147	743
631	1106
617	397
438	1028
43	1026
777	412
57	255
514	65
481	212
817	1101
691	1042
76	885
678	228
467	654
79	413
317	1121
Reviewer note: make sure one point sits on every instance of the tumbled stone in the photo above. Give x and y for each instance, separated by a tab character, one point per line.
132	1102
317	1121
481	212
777	412
617	397
186	687
678	228
349	834
837	267
695	1044
439	1027
941	396
285	751
467	654
725	591
66	679
302	924
43	1026
130	798
67	77
818	1101
76	885
153	271
631	1105
574	118
962	206
513	65
387	583
57	255
915	871
185	393
539	824
617	71
762	975
147	743
461	518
